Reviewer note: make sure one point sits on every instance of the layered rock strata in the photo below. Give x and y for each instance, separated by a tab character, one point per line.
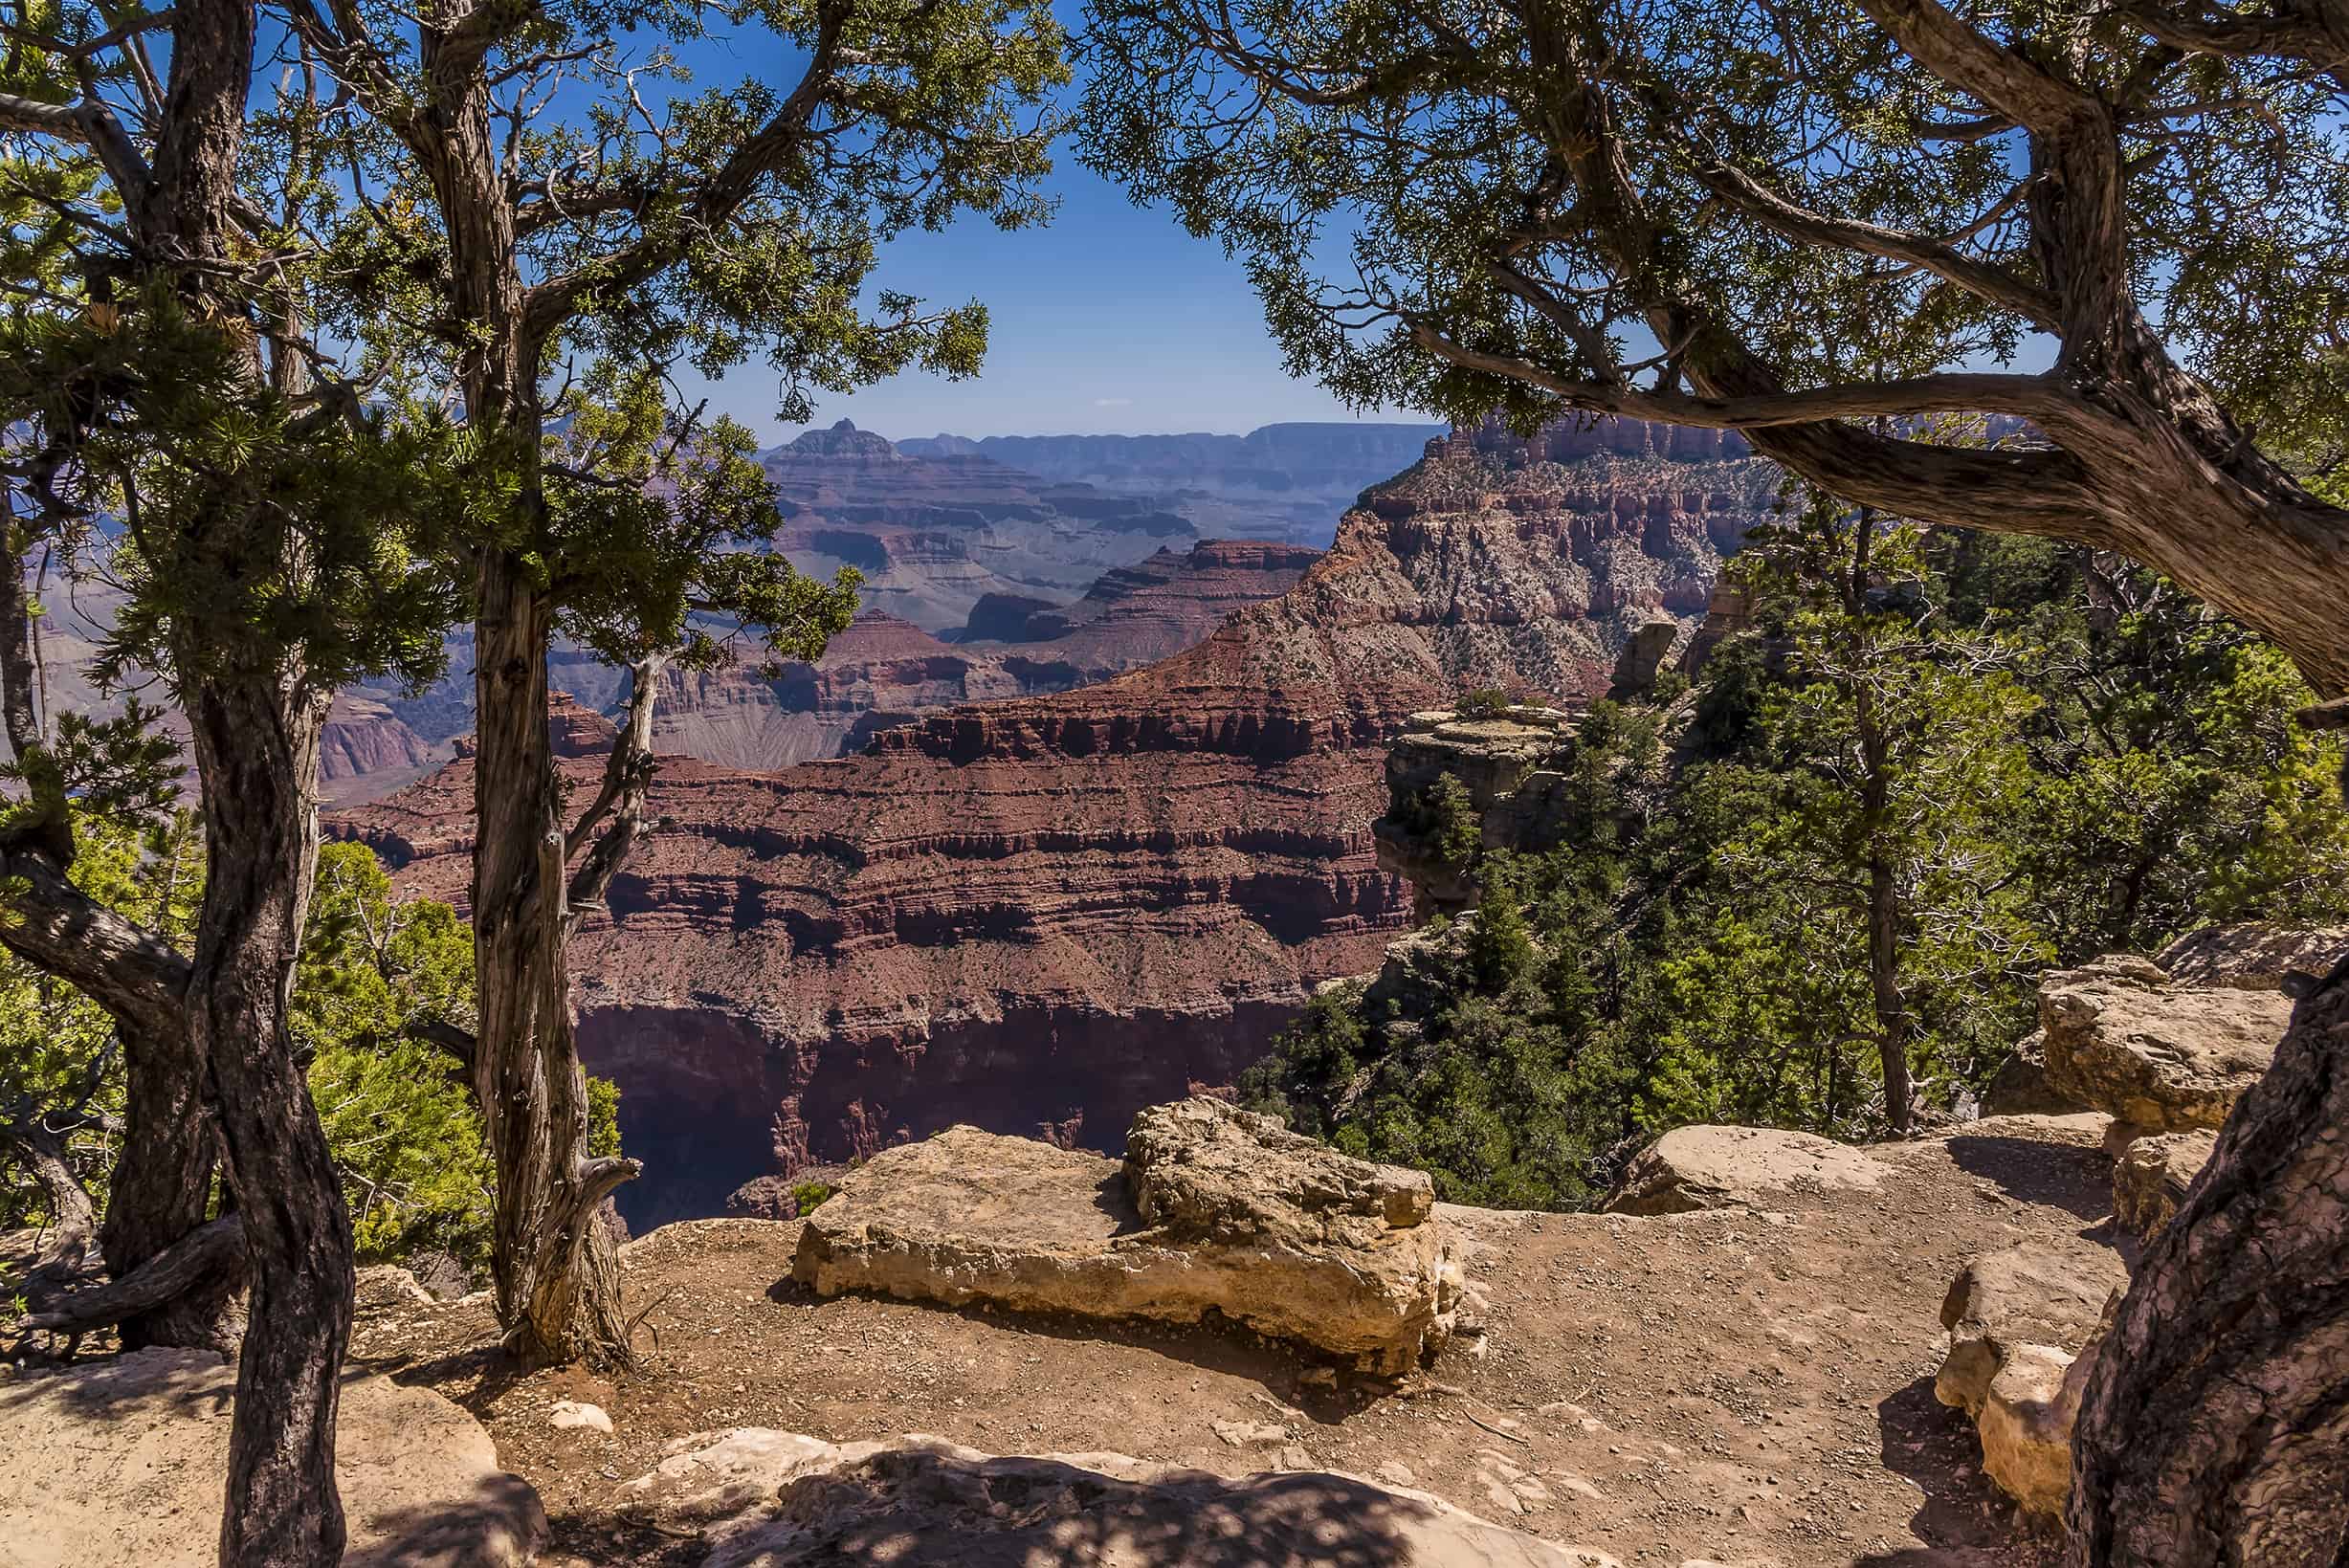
934	535
1048	913
884	670
1284	482
1216	1214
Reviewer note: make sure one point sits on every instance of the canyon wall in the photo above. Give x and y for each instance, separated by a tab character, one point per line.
1045	912
884	672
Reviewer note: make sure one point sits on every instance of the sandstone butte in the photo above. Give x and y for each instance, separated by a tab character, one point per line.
1042	915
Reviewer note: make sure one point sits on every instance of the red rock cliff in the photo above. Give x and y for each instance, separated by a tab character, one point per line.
1058	908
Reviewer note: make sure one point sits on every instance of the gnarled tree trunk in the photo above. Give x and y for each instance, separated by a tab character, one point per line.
162	1190
2214	1429
557	1279
256	749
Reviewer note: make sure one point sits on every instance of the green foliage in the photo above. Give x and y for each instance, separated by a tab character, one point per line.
374	972
1459	207
1444	816
397	1110
807	1194
1485	702
55	1042
2073	758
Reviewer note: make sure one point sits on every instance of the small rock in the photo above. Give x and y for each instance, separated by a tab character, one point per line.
387	1285
2017	1320
1241	1433
570	1413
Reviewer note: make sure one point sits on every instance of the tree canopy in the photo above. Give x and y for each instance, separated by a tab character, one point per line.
2127	224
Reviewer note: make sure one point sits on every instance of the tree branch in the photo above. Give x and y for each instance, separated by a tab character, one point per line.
181	1267
2026	396
548	305
1943	260
53	925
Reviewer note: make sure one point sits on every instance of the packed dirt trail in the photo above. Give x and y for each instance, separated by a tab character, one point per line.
1733	1388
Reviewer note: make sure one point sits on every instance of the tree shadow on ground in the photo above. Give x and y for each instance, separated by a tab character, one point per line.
1965	1518
1216	1344
2075	1180
500	1522
922	1504
473	1376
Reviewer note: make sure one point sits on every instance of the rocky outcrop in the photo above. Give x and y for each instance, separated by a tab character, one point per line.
2018	1321
1691	1168
1510	767
2255	957
1057	910
147	1436
769	1499
365	750
2021	1086
2158	1057
2151	1176
1216	1214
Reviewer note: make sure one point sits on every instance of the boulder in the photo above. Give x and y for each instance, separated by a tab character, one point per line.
1690	1168
2020	1088
1215	1211
2079	1130
382	1286
923	1500
2151	1176
714	1476
2255	957
1642	655
124	1460
2017	1322
2158	1057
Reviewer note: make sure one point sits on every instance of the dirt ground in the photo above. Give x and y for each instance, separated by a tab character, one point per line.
1716	1390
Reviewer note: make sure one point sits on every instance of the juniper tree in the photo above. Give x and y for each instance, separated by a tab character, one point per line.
518	251
1796	220
165	379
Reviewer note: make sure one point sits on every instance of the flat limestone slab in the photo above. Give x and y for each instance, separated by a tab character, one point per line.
125	1461
971	1216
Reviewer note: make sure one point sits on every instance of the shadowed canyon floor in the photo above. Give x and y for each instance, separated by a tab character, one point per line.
1752	1390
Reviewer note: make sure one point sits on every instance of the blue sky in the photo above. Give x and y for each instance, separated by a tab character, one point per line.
1109	320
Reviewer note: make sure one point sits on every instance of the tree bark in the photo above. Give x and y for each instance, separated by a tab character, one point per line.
183	1269
72	1217
256	749
555	1274
163	1190
2214	1428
